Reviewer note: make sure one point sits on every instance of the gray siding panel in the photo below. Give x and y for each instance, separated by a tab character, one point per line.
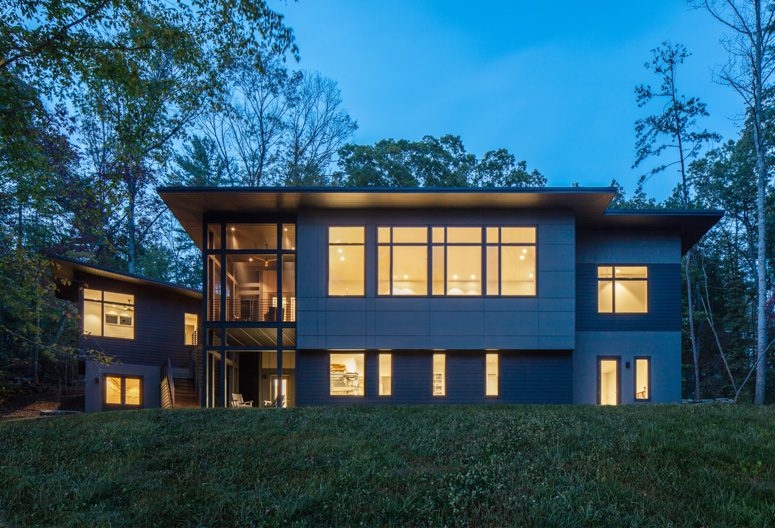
159	325
428	322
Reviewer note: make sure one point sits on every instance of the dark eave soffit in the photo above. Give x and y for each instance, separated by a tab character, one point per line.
589	204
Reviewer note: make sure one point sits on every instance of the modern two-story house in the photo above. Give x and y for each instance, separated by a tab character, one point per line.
327	296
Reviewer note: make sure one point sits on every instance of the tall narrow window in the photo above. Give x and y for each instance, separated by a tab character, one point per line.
439	374
622	289
402	260
608	381
346	261
347	374
385	374
643	379
491	374
464	261
190	329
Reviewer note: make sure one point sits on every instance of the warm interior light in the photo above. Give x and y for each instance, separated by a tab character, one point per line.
232	228
341	258
340	250
454	277
524	251
522	257
285	229
473	277
406	277
250	259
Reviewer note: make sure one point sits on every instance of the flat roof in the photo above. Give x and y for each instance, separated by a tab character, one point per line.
67	266
589	204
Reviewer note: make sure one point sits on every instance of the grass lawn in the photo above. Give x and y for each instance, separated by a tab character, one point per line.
394	466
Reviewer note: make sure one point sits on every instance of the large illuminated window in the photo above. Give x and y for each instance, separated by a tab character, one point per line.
463	261
622	289
347	374
642	378
439	374
491	374
346	261
108	314
402	261
385	374
123	391
511	261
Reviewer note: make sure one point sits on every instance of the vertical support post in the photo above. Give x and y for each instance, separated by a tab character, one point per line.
204	382
223	402
280	315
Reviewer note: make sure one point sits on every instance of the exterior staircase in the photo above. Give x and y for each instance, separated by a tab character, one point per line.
185	394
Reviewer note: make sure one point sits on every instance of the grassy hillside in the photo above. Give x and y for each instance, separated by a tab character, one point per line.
458	466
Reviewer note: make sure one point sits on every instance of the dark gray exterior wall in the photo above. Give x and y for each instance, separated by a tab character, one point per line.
525	377
159	324
159	335
544	322
656	335
94	383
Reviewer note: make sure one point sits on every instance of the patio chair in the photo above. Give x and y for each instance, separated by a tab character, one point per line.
237	401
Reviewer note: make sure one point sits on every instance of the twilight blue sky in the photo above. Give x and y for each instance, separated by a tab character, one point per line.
551	82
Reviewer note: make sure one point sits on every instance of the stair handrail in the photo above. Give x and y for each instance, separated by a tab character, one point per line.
167	366
195	375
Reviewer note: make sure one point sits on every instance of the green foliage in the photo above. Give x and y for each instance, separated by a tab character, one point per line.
394	466
430	162
94	97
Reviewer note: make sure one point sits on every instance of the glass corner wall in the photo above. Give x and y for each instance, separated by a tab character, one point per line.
249	302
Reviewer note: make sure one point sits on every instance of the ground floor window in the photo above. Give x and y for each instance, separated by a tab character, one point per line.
608	381
347	374
123	391
439	374
385	374
642	379
491	374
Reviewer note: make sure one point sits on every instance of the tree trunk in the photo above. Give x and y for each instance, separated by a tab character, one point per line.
761	188
692	337
132	228
688	259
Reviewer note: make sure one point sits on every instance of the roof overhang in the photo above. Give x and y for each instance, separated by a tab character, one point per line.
66	268
690	224
190	204
589	205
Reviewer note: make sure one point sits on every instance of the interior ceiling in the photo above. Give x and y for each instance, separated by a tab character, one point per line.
588	204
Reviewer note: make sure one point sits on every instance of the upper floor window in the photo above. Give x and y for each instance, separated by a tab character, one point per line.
622	289
346	261
245	263
457	257
108	314
459	250
511	261
402	260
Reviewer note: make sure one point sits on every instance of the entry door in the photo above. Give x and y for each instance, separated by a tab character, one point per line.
273	395
608	381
